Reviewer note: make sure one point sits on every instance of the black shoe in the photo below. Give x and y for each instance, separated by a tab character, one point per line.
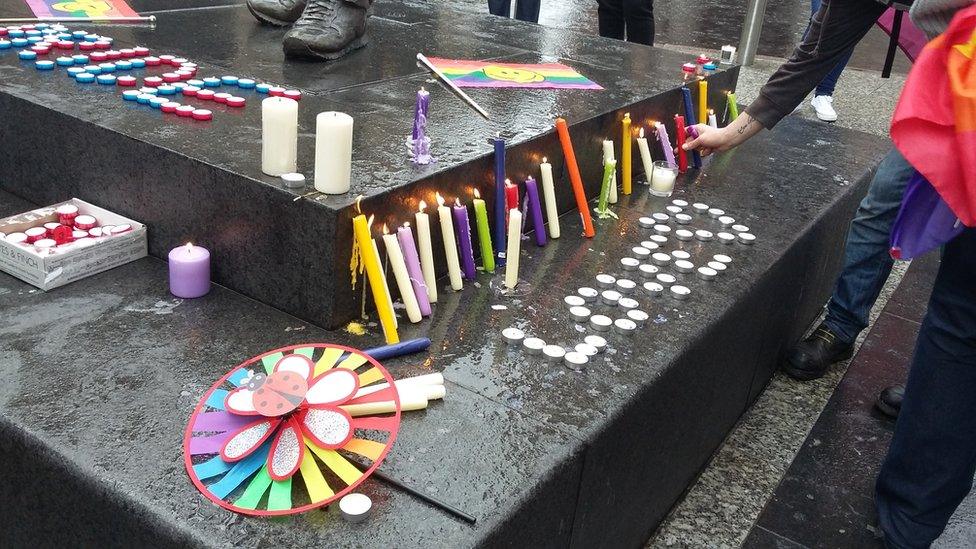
328	29
276	12
889	401
811	358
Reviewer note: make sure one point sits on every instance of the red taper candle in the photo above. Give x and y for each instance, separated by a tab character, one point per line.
679	122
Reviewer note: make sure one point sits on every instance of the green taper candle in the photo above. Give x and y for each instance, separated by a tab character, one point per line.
484	233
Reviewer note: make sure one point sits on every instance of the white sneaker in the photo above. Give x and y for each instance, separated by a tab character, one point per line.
823	104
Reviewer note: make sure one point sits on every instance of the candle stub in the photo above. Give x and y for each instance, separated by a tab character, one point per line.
598	342
624	326
579	314
628	303
680	254
586	349
574	301
600	323
533	345
575	359
680	292
662	229
629	263
683	218
683	266
716	212
355	507
605	280
661	258
722	258
703	235
725	238
639	317
293	180
513	336
647	270
641	252
646	222
589	294
699	207
665	278
554	353
610	297
625	286
679	203
707	273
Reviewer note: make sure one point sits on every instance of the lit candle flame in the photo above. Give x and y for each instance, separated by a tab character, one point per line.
711	111
406	224
386	230
358	200
369	222
508	181
189	247
440	199
545	160
457	202
641	133
422	207
477	194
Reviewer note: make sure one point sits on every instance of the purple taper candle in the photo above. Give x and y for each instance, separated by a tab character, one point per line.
420	112
189	271
662	136
412	259
463	229
535	207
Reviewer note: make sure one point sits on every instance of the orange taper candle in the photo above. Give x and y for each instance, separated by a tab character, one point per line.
574	177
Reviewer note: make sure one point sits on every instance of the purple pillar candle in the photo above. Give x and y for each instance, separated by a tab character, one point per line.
463	229
189	271
405	237
535	208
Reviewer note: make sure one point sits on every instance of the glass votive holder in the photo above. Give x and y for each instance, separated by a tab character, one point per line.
662	178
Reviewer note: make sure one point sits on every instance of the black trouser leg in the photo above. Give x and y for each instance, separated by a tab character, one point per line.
639	18
610	15
500	7
527	10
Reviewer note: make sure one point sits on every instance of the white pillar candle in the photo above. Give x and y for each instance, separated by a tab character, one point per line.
609	157
426	252
512	250
279	135
645	155
333	152
450	243
549	196
399	267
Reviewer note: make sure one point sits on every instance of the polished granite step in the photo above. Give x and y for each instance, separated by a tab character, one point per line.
189	180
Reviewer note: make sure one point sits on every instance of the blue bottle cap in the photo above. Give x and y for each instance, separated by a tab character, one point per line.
211	82
16	34
148	90
157	102
122	65
179	85
138	63
79	59
27	55
65	61
5	44
709	66
65	36
44	65
106	79
245	83
75	71
93	69
91	38
195	82
85	78
144	98
229	80
33	32
130	95
33	39
262	87
107	67
166	90
41	26
79	34
19	42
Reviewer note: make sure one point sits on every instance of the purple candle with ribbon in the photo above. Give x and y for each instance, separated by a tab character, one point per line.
189	271
412	259
691	121
662	136
463	229
501	212
535	208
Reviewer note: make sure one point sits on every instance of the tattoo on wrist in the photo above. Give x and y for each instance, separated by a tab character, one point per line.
742	129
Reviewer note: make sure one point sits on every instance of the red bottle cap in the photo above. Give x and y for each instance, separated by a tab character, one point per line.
177	61
190	91
235	101
185	75
141	51
86	46
168	59
126	80
113	54
65	44
222	97
171	77
152	81
202	114
100	45
276	91
127	53
98	56
185	110
40	50
152	61
292	94
169	107
205	95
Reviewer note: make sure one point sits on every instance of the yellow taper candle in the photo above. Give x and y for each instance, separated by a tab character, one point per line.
702	101
484	233
625	155
375	275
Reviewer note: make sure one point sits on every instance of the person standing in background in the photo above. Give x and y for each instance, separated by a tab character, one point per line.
631	20
525	10
823	95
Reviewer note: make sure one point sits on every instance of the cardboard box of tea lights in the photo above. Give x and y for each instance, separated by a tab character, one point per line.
52	246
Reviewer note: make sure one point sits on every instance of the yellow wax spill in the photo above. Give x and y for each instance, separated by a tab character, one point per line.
356	328
355	265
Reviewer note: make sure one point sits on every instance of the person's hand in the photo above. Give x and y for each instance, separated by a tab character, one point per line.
712	139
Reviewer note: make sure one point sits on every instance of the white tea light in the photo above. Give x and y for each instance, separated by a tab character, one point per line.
684	235
610	297
726	221
513	336
598	342
679	203
716	212
624	326
355	507
650	245
707	273
740	229
680	254
725	238
293	180
630	263
661	217
722	258
586	349
646	222
600	323
682	218
653	288
639	317
661	258
589	294
579	314
665	278
680	292
625	286
747	238
662	229
699	207
703	235
683	266
575	359
647	270
533	345
628	303
605	280
717	266
574	301
641	252
554	353
659	238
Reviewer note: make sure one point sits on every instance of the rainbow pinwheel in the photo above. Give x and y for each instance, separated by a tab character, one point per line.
324	412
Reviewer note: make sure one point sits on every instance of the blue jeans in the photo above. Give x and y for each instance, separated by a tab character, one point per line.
932	458
867	262
829	82
525	10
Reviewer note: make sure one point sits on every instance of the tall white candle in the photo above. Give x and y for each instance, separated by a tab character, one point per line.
279	136
333	152
645	155
399	267
608	157
426	252
512	250
549	195
712	121
450	243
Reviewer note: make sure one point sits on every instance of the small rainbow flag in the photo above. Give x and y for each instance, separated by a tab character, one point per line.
81	8
488	74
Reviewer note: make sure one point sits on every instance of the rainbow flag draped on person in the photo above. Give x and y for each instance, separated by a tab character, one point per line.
934	127
488	74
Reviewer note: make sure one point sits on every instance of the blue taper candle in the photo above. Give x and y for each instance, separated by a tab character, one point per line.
501	212
691	121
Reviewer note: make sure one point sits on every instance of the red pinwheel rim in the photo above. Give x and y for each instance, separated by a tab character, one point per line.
199	408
